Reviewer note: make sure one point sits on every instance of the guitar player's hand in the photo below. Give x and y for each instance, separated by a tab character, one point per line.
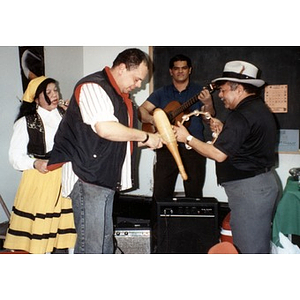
205	97
145	112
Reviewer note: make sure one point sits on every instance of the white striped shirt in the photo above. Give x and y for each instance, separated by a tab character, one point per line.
95	106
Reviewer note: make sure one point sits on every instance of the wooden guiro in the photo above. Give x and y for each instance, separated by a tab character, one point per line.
165	130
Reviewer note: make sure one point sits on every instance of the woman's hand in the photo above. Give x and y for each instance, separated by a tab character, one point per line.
41	165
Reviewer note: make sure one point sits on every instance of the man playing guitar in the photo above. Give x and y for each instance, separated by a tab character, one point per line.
173	98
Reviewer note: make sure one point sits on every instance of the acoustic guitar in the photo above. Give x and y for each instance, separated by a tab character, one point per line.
174	110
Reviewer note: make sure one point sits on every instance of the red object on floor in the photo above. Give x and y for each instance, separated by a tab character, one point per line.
13	252
226	235
223	248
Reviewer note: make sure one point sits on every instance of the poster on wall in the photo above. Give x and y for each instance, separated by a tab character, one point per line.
31	63
288	140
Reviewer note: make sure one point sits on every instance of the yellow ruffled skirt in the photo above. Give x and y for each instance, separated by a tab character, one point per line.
41	220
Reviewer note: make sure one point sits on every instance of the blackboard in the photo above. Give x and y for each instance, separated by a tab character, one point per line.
278	65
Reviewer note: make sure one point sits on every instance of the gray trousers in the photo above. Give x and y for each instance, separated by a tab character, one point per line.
252	203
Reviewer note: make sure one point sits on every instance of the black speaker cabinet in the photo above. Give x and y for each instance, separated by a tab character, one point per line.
185	225
131	206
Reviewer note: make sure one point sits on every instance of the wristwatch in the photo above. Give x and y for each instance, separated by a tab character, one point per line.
188	139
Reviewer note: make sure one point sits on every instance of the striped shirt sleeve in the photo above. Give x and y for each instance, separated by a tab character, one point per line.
95	105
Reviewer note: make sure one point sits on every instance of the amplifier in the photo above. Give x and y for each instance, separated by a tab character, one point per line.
131	206
185	225
132	240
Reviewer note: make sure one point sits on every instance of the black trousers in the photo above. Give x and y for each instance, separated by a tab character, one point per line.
166	173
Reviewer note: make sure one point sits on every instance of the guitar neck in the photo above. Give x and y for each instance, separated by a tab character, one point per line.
184	106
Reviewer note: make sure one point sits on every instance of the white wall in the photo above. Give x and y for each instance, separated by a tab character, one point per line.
64	64
10	92
68	65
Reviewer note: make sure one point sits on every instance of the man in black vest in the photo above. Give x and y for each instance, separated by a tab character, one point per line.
245	154
98	136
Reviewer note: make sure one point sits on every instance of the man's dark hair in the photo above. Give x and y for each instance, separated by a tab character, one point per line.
180	57
132	58
249	88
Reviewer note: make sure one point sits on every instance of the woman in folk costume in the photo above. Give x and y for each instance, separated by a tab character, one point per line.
41	220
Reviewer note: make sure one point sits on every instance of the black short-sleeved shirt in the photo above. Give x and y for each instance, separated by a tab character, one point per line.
248	139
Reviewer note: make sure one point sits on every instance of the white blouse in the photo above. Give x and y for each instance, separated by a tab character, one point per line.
18	156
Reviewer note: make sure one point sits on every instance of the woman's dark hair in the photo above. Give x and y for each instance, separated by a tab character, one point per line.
42	89
29	108
26	109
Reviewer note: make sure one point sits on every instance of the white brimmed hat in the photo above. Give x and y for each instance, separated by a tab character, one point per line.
242	72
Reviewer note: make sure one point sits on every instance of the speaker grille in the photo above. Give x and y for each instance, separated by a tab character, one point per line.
185	226
132	241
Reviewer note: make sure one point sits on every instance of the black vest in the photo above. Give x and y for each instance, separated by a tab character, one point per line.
94	159
37	146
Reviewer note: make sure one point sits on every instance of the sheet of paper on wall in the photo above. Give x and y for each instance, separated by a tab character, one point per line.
288	140
276	97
